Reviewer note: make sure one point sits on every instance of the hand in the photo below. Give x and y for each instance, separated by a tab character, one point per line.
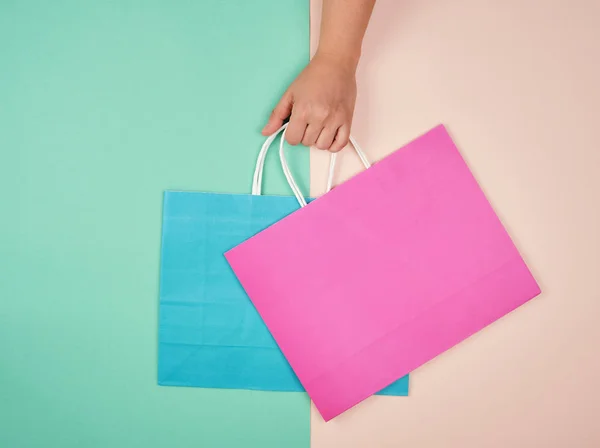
319	103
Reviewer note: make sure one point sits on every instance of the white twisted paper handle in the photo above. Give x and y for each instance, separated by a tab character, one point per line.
260	163
332	160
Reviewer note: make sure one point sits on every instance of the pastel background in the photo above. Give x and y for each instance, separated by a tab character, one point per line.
104	105
516	82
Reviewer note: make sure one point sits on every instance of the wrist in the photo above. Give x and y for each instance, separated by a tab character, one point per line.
347	60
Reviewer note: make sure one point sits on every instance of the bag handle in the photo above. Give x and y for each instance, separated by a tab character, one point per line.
333	157
332	160
260	164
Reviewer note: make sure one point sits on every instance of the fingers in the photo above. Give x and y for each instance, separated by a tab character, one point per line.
326	138
310	127
296	128
341	139
281	112
311	134
317	128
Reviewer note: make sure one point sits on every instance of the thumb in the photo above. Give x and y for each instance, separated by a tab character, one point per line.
281	112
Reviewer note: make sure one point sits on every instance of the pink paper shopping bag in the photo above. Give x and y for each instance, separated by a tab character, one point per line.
390	269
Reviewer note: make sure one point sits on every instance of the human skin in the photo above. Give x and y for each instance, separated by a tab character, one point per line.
320	101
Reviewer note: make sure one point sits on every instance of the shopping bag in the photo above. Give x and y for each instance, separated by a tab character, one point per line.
210	334
383	273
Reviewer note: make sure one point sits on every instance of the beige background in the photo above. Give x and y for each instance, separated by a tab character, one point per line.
517	84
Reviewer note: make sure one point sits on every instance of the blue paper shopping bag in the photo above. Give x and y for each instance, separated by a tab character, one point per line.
210	334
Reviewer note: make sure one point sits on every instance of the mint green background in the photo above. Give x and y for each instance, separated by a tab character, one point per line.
103	106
